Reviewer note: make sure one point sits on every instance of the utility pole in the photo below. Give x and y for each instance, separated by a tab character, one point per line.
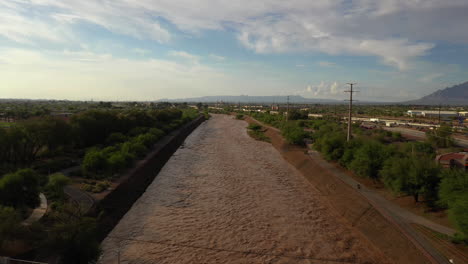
350	109
287	113
439	114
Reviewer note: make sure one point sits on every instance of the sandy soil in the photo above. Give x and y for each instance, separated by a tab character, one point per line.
226	198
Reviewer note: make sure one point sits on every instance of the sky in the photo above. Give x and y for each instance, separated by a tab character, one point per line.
395	50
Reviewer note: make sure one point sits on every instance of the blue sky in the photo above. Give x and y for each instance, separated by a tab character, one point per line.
395	50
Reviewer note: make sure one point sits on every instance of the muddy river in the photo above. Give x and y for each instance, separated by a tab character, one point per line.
226	198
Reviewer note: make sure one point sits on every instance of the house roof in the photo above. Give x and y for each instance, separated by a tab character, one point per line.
453	156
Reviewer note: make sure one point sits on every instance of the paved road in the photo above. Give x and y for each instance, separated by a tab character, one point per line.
82	199
38	212
422	135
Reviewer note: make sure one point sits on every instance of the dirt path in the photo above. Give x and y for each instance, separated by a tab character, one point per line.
226	198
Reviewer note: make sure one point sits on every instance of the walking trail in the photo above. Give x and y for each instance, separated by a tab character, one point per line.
226	198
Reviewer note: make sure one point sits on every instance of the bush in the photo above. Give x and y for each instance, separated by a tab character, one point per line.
74	240
55	185
146	139
116	162
20	189
453	193
293	134
240	116
331	145
415	176
137	131
135	148
95	187
254	127
9	224
158	133
94	162
368	159
115	138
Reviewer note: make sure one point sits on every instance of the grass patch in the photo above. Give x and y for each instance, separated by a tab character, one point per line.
257	132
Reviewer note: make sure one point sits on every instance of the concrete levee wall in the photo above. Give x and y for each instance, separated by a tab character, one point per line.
116	204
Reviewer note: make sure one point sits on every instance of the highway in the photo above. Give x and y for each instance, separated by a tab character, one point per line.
422	135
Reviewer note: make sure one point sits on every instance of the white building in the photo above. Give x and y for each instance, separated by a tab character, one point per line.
315	115
432	113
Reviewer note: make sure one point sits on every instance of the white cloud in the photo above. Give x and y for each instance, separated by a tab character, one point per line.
326	64
141	52
395	31
323	90
430	77
185	56
217	57
82	75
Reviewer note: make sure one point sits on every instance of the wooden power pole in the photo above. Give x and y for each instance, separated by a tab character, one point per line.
350	91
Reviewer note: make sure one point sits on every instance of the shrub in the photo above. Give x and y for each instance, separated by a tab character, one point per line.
146	139
368	159
115	138
116	162
55	185
74	239
254	127
158	133
293	134
9	224
20	189
240	116
94	161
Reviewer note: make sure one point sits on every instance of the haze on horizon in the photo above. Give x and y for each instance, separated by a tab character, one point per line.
147	50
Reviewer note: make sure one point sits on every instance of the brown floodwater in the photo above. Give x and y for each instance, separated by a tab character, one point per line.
225	198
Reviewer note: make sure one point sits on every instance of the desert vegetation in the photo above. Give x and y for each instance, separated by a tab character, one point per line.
36	147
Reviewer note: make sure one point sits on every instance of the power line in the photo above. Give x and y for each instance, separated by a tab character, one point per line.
350	91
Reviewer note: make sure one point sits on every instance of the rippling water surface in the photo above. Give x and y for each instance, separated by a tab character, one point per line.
226	198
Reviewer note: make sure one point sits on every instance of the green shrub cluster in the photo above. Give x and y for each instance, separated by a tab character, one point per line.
96	187
101	163
406	168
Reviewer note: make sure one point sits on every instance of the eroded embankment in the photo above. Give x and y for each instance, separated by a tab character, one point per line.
352	206
226	198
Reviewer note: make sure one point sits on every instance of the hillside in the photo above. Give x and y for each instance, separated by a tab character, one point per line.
455	95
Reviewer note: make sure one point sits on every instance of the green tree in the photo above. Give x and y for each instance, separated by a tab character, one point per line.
369	159
55	185
332	145
74	239
19	189
441	137
453	193
414	175
10	226
457	214
293	133
94	162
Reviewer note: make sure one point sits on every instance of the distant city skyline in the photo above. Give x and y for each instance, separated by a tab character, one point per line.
148	50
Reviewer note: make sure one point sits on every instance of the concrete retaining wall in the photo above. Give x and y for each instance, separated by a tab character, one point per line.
116	204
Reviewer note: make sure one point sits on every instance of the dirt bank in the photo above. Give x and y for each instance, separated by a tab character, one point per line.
383	233
226	198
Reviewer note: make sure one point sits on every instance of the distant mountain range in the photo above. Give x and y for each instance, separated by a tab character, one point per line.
296	99
455	95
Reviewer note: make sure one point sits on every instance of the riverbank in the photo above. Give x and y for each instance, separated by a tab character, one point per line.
225	198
